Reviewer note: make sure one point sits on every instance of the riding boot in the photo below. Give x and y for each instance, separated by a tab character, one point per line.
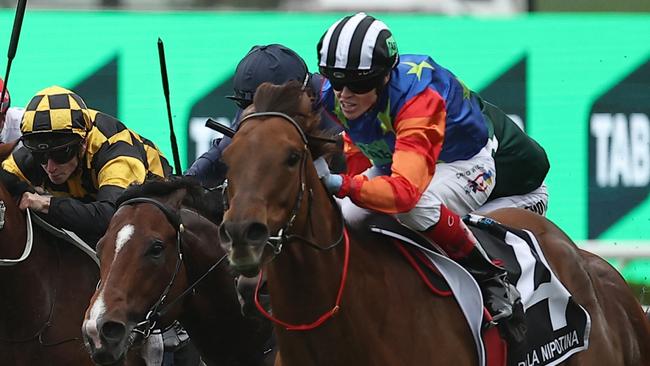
499	295
501	298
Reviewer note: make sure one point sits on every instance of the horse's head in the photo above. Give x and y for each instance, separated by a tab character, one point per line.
141	271
269	172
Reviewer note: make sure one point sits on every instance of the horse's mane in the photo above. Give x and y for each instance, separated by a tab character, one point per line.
208	204
290	99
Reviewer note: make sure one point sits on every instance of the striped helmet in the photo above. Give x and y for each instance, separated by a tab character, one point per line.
55	111
357	47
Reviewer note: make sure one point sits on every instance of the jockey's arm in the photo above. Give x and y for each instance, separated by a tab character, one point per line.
88	220
14	184
355	161
208	168
419	129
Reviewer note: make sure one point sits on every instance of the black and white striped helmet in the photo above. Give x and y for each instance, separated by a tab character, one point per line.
357	47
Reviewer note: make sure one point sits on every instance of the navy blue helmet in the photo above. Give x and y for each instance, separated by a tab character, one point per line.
272	63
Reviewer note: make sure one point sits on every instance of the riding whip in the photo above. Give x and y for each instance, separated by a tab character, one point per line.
13	43
219	127
165	82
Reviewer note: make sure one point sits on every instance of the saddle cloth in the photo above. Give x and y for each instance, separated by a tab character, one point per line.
557	326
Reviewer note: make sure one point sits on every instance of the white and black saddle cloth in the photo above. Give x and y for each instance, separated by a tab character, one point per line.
558	327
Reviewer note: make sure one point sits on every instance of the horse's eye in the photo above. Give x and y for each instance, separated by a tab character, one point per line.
156	249
293	159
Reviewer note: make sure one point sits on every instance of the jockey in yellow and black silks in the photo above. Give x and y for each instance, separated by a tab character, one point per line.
78	161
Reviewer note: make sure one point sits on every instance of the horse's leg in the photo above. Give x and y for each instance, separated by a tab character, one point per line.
618	333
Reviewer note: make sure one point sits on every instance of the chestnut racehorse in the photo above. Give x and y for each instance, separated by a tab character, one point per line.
161	261
346	297
44	295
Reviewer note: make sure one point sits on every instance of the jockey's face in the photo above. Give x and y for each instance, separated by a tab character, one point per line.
353	105
59	173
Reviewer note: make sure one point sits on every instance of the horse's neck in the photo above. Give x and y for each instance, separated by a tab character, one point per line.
302	272
213	315
319	219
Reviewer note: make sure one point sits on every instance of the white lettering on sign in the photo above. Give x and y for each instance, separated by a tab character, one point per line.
203	136
622	149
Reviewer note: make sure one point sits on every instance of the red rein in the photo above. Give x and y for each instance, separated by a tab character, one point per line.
323	318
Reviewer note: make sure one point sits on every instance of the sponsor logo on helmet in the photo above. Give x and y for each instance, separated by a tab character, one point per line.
391	45
43	146
338	74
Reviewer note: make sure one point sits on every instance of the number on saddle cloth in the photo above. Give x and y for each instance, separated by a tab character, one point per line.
557	326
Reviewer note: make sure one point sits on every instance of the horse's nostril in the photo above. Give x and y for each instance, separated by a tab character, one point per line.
224	235
113	332
257	232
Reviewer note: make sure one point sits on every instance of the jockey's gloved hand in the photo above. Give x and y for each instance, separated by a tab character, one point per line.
332	182
322	169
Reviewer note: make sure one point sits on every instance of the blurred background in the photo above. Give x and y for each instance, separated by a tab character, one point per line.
574	74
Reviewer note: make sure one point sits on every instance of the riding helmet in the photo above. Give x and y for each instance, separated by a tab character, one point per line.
54	117
272	63
357	47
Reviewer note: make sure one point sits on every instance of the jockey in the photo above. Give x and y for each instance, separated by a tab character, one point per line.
78	161
9	118
418	145
273	63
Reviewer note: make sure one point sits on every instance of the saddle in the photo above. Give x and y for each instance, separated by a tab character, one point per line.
557	326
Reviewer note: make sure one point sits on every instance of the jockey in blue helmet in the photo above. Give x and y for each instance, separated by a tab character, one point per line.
272	63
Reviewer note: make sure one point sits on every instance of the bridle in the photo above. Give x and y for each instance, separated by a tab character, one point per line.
284	235
145	327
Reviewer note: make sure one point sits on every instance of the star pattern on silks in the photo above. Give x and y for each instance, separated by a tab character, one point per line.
417	68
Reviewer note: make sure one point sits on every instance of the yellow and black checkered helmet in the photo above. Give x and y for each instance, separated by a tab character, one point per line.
54	111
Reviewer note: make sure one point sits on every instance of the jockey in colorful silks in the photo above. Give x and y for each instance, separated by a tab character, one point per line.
420	145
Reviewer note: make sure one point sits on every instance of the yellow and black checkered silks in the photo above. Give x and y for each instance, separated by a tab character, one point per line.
56	109
115	156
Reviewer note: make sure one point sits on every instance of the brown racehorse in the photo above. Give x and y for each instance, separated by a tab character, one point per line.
281	219
141	264
43	297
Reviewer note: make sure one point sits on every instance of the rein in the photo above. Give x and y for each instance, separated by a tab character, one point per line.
283	236
157	310
328	314
28	243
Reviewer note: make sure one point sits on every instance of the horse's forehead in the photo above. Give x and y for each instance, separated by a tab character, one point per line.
124	234
269	128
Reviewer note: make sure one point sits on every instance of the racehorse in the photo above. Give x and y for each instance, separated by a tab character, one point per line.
161	261
344	296
45	285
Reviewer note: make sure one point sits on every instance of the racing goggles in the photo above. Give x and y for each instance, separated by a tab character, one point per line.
358	86
60	155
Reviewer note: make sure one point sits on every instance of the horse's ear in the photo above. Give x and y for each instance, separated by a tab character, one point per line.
176	198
